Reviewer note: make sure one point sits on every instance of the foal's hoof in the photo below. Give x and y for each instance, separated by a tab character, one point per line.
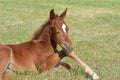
95	77
63	64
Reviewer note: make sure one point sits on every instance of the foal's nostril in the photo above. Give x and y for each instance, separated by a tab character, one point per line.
67	49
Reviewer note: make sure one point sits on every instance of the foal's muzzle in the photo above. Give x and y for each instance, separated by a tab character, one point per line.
67	49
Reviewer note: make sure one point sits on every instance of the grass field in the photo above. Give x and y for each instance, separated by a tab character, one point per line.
94	30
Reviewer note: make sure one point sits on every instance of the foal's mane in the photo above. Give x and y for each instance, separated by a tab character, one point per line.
39	31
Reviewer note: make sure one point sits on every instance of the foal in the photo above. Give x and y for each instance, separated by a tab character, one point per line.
41	53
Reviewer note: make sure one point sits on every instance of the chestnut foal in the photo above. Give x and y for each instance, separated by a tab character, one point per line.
41	52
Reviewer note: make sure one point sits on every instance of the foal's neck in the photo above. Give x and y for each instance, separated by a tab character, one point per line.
44	35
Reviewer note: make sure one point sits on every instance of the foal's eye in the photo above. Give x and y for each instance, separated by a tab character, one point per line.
57	32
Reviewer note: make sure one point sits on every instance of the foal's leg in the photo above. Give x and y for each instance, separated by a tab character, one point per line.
52	61
5	53
86	68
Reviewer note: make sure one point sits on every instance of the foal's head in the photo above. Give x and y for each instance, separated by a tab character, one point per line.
60	31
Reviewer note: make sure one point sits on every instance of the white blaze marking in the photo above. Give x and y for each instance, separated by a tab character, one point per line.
64	28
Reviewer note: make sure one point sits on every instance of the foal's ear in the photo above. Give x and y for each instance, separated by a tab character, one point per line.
52	14
63	14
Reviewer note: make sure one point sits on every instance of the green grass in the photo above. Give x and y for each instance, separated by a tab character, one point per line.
94	30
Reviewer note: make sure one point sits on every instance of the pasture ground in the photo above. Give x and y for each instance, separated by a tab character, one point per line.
94	30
